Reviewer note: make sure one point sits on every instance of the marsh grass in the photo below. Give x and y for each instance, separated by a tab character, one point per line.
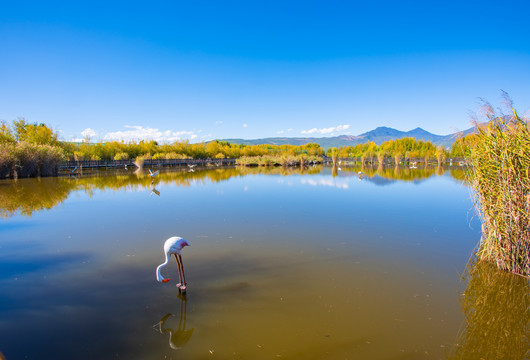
381	155
397	158
26	159
49	159
500	178
440	155
334	156
7	159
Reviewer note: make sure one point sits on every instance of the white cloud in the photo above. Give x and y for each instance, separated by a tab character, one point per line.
325	131
140	133
284	131
89	132
218	122
245	125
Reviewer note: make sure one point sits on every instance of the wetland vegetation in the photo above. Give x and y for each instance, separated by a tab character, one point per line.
500	153
29	150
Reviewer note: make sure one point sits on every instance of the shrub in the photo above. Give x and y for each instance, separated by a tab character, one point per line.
121	156
27	157
49	159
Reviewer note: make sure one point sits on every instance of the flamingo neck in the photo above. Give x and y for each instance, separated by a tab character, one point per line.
159	276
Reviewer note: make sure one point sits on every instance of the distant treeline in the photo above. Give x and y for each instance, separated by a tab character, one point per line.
28	149
401	149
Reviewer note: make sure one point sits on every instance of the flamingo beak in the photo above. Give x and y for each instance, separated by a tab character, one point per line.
165	280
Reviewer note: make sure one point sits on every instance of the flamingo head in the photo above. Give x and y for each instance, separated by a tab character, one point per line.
183	243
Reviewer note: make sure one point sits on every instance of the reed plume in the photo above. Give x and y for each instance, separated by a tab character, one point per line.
500	155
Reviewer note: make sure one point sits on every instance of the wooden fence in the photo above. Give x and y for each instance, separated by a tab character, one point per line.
146	163
116	164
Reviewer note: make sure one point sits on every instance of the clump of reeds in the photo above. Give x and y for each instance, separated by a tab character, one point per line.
440	155
49	159
500	179
36	160
381	157
334	156
7	159
27	159
397	158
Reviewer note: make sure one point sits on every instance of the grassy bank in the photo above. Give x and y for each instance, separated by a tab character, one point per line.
500	153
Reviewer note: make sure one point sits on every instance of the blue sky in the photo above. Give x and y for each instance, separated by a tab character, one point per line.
202	70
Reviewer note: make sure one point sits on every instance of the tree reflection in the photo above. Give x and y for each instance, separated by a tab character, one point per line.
27	196
395	173
496	307
179	337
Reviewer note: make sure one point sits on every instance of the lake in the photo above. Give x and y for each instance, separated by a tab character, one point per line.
284	263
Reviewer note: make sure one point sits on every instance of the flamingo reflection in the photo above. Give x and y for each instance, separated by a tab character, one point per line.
178	338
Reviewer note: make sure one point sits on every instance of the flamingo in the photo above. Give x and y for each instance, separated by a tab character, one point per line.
173	246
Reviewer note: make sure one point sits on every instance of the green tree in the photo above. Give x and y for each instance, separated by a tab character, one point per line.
34	133
6	135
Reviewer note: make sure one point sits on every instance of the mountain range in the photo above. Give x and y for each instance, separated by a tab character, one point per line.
378	136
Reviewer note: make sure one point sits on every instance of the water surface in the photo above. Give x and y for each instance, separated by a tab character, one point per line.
284	263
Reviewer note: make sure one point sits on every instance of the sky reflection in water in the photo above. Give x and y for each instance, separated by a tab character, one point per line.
313	264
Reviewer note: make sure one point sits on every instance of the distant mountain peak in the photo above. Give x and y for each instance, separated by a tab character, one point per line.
379	135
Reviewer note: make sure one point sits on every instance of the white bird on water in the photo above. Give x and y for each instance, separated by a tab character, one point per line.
173	246
153	174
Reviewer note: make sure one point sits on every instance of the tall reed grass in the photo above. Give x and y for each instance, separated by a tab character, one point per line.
334	156
500	155
7	159
26	159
